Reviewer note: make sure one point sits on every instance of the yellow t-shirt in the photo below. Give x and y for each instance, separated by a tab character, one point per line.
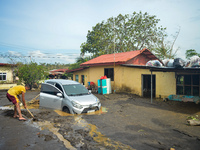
16	90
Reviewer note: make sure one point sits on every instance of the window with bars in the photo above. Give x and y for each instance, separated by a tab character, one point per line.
188	85
76	78
3	76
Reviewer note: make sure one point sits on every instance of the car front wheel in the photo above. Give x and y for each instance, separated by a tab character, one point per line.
66	109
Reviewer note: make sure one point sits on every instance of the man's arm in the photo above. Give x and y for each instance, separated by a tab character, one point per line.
23	99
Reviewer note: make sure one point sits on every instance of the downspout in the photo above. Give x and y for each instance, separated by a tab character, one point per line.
114	59
151	87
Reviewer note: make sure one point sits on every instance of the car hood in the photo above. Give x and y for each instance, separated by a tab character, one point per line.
84	99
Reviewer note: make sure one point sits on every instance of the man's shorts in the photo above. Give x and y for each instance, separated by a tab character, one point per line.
12	99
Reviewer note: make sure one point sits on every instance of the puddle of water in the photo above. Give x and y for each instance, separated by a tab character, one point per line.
62	113
102	110
34	104
5	108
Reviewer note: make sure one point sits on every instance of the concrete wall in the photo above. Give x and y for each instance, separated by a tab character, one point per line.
129	79
6	86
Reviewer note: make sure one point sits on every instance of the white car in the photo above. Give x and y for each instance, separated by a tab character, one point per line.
68	96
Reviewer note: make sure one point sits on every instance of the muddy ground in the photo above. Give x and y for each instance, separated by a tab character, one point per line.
125	121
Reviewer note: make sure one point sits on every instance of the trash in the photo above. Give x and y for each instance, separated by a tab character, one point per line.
193	122
179	63
168	62
194	61
153	63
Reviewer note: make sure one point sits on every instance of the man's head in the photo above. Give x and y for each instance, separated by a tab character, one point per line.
27	87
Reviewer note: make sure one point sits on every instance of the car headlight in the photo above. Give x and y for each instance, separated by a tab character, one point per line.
75	104
97	100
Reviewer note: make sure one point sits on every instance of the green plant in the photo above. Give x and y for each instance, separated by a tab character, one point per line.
193	118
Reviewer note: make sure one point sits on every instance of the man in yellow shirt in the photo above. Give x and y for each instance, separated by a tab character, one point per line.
13	96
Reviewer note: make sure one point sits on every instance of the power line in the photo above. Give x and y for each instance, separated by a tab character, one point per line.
13	56
24	48
16	46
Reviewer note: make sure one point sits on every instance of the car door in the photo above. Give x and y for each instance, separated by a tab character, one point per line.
49	98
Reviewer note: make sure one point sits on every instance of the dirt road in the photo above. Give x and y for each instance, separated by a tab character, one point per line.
125	122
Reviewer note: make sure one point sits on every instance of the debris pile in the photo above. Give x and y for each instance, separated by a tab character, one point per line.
193	62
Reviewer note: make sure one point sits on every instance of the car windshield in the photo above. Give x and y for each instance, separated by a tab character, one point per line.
75	90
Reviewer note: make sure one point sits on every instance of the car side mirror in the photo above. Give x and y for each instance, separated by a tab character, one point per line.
90	91
59	95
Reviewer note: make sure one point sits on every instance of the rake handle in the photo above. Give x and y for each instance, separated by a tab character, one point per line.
30	112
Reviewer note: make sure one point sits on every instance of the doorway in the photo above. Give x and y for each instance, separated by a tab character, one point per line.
146	85
82	79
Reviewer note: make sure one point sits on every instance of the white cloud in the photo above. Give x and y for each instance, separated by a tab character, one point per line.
14	53
38	56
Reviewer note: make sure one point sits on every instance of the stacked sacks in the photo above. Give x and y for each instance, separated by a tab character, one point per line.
175	63
153	63
194	62
168	62
178	63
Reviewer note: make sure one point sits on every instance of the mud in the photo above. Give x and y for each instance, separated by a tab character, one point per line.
125	121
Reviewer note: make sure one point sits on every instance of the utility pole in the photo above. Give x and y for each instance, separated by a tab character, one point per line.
114	58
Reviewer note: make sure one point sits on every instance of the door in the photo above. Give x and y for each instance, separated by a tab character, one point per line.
82	79
146	85
49	98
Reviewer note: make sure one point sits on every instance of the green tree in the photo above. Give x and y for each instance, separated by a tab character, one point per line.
191	52
123	33
30	73
79	60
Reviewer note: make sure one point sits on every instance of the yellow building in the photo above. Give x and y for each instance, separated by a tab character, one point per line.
128	73
6	76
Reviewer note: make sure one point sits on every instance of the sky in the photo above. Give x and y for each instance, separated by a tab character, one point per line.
49	31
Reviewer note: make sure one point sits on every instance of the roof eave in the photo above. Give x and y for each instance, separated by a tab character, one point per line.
103	64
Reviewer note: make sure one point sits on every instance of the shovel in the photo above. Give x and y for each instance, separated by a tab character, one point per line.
34	119
30	112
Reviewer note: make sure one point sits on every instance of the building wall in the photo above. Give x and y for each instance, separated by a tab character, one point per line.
129	79
9	73
165	84
132	78
91	74
9	78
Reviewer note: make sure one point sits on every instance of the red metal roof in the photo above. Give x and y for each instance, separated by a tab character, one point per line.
74	70
5	64
118	58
